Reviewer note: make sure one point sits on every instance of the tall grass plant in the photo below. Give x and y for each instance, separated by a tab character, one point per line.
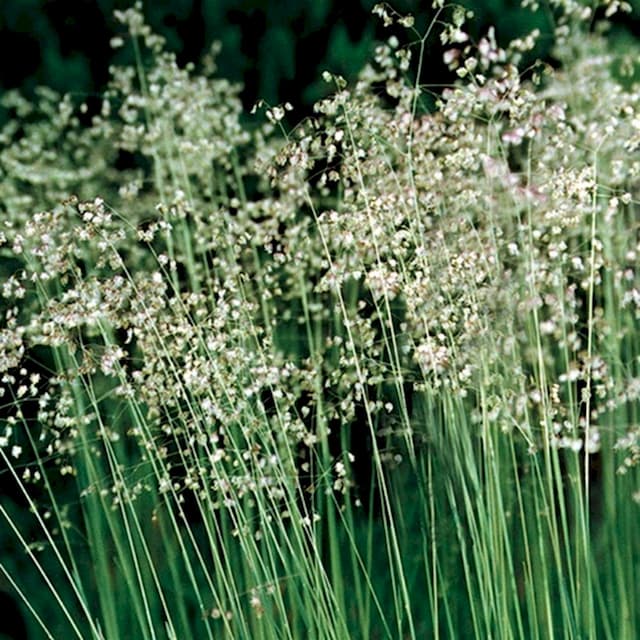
372	376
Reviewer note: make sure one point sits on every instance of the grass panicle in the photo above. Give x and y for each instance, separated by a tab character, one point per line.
372	376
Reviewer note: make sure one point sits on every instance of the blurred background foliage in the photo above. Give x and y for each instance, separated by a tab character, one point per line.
276	49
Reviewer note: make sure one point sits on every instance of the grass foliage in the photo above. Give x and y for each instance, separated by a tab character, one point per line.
373	376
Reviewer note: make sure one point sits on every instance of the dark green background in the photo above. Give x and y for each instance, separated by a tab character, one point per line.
276	49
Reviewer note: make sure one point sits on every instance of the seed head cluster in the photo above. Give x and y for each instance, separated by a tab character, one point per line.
219	312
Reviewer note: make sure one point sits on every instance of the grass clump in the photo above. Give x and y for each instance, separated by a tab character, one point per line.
373	377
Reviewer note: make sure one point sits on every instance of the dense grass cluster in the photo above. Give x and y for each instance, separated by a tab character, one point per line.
376	376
